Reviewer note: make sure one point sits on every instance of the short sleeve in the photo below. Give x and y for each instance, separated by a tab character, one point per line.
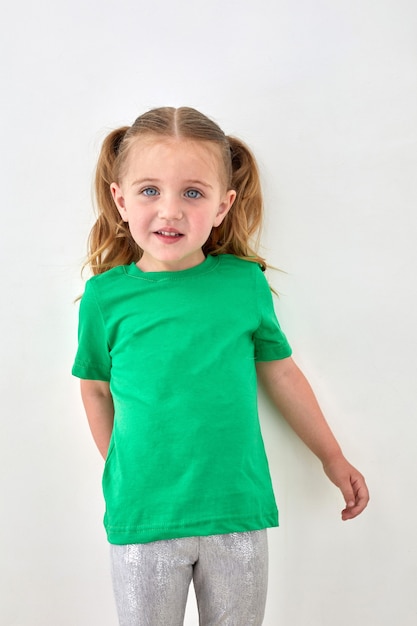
93	360
270	342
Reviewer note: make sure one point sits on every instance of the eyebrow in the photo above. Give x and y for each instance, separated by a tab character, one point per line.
192	181
199	182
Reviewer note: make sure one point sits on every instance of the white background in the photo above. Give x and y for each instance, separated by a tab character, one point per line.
325	92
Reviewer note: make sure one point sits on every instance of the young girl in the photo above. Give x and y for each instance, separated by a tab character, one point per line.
175	327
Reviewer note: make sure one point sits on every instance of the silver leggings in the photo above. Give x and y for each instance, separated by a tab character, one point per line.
229	573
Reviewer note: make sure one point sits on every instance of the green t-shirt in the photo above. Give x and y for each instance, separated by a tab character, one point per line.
186	456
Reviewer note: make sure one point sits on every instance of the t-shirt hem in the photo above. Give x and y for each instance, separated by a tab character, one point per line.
124	536
86	372
273	354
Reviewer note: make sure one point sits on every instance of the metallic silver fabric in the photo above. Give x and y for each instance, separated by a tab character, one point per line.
229	572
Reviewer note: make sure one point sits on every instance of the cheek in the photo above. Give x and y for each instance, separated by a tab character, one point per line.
138	214
204	222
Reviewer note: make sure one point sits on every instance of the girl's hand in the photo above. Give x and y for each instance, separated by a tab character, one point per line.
294	398
352	485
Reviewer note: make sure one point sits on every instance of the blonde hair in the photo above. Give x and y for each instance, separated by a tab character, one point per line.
110	241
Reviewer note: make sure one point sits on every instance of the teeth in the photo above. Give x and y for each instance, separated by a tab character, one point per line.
168	234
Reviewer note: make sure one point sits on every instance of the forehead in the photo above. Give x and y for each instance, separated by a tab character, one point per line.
157	155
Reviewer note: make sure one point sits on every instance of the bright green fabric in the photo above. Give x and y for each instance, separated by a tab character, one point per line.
186	455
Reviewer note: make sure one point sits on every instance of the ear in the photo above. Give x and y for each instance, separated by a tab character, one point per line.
119	201
225	207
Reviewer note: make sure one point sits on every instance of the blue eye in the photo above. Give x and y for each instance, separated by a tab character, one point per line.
193	193
150	192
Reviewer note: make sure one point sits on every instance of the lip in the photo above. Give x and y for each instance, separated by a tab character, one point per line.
168	235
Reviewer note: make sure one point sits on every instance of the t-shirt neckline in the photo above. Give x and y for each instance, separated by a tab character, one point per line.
207	265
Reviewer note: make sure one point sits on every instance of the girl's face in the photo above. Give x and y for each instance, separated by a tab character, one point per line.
172	195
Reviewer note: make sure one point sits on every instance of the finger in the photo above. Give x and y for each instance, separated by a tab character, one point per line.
348	494
361	501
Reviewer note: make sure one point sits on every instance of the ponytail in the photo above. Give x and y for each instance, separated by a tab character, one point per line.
110	242
239	232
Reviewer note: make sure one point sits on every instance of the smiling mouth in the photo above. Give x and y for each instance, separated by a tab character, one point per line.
166	233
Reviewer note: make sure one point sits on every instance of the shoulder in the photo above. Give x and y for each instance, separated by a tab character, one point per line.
109	276
108	282
239	274
104	280
238	265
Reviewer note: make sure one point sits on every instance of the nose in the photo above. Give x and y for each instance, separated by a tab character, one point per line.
170	208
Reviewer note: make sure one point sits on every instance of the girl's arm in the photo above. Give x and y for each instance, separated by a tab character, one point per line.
292	395
98	404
